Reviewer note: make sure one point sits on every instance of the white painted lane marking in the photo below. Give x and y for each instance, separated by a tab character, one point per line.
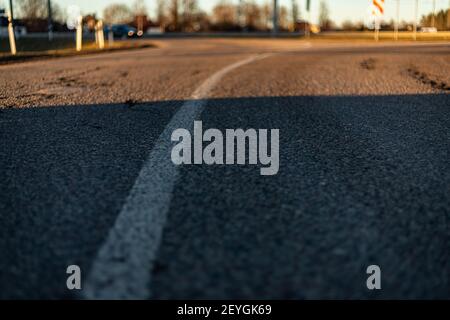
123	266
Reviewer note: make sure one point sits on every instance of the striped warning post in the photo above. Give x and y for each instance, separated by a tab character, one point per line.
378	7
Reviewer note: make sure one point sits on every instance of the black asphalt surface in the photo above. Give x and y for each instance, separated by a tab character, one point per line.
364	170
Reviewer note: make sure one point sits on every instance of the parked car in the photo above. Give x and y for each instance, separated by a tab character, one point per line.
123	31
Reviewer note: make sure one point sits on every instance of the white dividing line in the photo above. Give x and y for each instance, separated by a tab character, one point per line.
123	266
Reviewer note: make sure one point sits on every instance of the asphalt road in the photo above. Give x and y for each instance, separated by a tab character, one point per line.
86	176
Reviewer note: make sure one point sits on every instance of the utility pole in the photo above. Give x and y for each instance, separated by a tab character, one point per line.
397	22
50	20
307	19
416	12
275	17
11	9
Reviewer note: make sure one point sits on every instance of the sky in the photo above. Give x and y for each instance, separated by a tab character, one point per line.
340	10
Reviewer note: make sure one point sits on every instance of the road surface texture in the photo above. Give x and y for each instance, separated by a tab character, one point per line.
86	177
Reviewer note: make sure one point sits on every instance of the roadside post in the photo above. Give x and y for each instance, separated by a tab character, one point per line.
110	36
397	22
377	29
75	22
378	12
416	12
275	17
50	20
96	33
100	35
308	20
11	34
79	33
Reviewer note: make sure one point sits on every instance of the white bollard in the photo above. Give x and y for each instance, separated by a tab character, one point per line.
12	37
377	29
110	36
397	21
80	34
100	35
96	33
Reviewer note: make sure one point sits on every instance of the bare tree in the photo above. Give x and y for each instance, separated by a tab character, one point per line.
224	14
448	19
33	9
266	16
348	25
190	8
161	13
140	12
253	16
58	14
283	18
439	20
139	8
324	16
295	12
117	13
174	14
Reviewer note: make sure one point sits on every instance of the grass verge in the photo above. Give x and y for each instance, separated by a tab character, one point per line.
35	49
383	36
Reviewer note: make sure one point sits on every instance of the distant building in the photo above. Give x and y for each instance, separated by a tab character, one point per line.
33	25
19	28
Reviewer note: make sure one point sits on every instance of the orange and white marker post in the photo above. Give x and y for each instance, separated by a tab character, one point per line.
378	11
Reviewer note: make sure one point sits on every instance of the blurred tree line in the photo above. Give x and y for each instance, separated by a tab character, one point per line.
188	16
441	20
178	15
34	15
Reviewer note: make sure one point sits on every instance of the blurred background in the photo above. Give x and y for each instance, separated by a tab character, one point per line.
167	16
